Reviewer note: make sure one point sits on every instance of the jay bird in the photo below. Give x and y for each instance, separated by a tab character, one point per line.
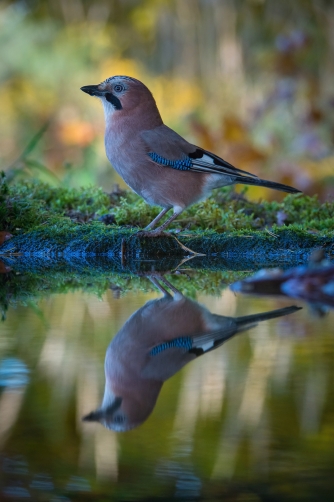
155	161
154	344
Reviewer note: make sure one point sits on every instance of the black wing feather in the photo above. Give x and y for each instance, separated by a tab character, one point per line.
219	166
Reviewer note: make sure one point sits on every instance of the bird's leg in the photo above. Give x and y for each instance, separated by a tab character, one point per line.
154	280
148	232
160	230
170	286
156	283
157	218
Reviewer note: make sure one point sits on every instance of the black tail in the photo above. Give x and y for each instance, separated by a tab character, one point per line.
272	314
245	180
239	325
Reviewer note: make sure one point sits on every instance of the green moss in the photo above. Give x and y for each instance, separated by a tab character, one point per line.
26	206
31	205
67	220
26	289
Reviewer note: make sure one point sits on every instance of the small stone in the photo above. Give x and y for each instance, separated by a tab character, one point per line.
107	219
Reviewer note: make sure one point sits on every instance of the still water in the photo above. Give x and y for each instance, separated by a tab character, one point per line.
250	419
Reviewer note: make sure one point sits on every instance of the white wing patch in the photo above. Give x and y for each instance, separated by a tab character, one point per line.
206	346
208	159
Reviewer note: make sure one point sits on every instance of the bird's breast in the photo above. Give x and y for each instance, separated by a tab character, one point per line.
158	185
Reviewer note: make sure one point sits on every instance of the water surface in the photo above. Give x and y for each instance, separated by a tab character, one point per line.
251	420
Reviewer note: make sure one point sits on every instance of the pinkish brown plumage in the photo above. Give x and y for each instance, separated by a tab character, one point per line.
155	161
154	344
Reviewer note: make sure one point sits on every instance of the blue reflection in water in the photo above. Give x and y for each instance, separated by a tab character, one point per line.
42	482
187	484
78	484
16	492
17	465
13	373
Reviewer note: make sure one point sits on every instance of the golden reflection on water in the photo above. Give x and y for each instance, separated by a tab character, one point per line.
10	406
220	415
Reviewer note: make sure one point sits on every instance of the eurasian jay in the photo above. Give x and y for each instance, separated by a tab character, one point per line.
157	163
154	344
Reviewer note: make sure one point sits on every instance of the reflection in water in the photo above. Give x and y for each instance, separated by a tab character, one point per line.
313	283
154	344
14	377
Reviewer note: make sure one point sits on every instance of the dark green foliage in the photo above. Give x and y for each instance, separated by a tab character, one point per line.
40	278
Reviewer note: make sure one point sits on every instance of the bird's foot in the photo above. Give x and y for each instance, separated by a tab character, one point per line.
161	233
152	233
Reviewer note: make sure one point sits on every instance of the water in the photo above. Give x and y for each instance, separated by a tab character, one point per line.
249	421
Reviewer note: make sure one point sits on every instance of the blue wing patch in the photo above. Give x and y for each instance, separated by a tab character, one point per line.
181	165
183	342
201	161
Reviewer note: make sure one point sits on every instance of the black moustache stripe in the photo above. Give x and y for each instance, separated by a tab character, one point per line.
114	101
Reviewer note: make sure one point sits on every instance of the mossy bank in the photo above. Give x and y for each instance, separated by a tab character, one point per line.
52	220
67	239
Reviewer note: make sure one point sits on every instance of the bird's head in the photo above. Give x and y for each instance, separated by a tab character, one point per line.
129	411
111	416
121	95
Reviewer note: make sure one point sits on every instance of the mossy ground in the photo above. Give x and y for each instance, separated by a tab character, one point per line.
32	205
38	214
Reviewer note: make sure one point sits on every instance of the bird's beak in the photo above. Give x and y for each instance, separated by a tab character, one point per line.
93	416
92	90
96	416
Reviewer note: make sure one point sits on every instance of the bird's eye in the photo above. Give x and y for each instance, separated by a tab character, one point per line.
118	88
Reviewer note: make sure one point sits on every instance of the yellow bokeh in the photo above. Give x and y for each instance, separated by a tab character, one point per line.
175	97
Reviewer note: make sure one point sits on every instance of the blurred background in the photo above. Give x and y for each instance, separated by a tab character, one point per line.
249	79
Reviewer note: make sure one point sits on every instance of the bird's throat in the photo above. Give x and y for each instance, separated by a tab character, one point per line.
113	100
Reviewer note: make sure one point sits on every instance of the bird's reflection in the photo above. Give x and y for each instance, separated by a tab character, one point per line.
154	344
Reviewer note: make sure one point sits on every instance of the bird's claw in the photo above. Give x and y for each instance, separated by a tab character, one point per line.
161	233
152	233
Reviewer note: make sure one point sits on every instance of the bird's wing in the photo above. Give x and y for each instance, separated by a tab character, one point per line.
169	356
198	344
167	148
205	342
